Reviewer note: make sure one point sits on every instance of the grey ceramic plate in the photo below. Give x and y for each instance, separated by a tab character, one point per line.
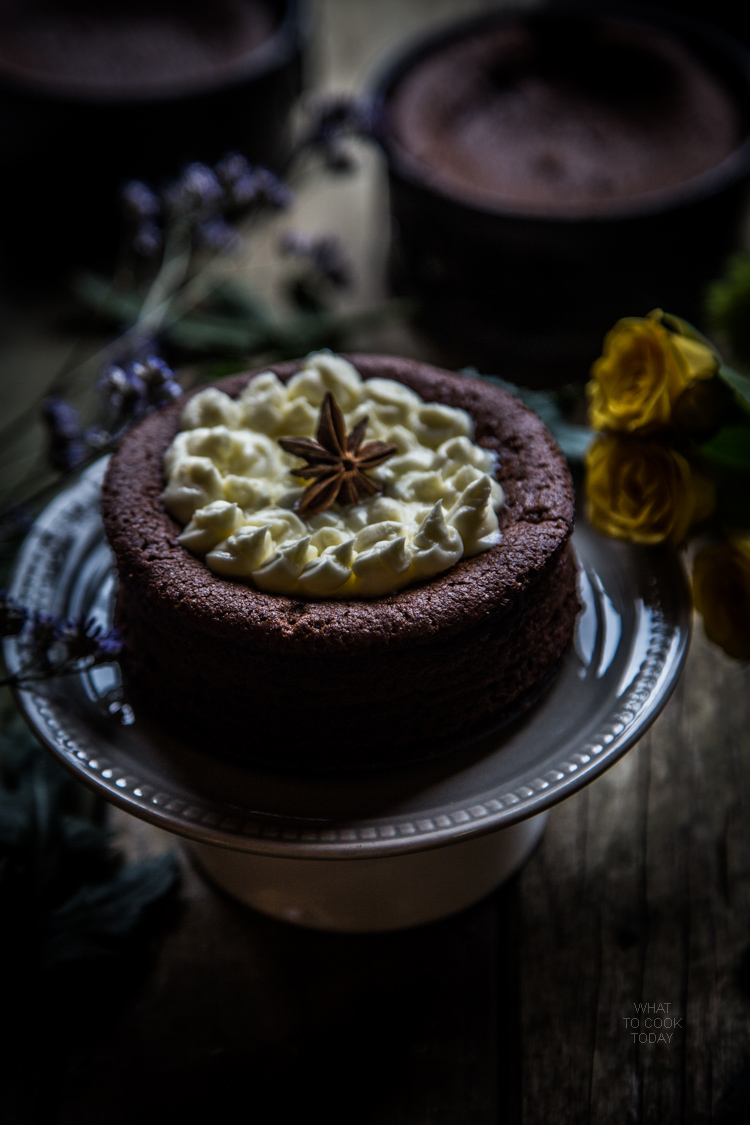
631	641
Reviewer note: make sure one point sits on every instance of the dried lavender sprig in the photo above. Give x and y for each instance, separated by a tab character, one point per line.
142	209
195	194
67	443
174	231
148	240
55	646
70	445
333	120
82	643
201	200
246	186
140	202
219	236
324	253
132	390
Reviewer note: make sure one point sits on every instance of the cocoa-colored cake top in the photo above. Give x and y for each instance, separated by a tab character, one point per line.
123	46
561	113
536	523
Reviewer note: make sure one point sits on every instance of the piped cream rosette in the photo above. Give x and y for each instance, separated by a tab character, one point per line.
230	483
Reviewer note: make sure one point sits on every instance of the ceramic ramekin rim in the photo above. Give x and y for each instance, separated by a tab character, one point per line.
726	174
272	53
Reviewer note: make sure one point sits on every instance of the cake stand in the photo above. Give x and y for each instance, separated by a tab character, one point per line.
369	851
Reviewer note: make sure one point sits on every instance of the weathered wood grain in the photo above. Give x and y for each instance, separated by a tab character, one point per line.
514	1011
639	894
395	1028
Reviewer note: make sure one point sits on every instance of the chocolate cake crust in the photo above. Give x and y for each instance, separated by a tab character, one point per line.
412	666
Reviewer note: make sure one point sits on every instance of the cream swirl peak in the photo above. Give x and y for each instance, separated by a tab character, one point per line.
230	482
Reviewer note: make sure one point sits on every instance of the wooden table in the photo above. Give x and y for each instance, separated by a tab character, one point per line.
518	1010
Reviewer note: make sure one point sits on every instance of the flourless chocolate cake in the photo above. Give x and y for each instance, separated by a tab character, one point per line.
562	115
123	46
335	683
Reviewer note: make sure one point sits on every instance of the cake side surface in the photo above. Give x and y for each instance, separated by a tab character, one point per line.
417	664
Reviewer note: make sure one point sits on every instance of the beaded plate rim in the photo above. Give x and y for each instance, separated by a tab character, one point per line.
653	578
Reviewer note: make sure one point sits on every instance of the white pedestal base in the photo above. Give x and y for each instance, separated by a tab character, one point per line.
366	895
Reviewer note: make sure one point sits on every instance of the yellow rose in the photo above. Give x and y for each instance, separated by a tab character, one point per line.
642	372
721	592
643	491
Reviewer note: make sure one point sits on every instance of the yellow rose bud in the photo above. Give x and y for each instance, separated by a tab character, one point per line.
642	372
721	592
643	491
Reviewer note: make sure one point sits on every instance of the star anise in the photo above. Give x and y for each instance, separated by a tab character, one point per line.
337	463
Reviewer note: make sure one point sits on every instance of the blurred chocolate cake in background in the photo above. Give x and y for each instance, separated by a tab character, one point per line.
553	168
552	120
93	94
118	47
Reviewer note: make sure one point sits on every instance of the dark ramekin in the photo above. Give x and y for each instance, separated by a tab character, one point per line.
531	296
67	147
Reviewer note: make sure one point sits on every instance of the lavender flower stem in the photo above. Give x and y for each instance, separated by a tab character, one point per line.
171	275
167	312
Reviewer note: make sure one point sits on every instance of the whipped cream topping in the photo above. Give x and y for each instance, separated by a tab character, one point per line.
230	483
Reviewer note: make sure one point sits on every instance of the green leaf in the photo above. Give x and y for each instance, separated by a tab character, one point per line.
738	383
99	918
729	449
64	896
573	440
213	334
246	328
97	293
728	305
238	299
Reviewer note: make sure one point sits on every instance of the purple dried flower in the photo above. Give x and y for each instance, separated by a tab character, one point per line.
148	239
83	642
67	444
62	417
260	188
13	617
231	169
97	439
170	391
109	644
52	646
245	191
158	379
271	191
324	254
247	186
154	369
70	445
140	202
133	389
142	208
216	234
196	192
125	393
333	120
201	198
